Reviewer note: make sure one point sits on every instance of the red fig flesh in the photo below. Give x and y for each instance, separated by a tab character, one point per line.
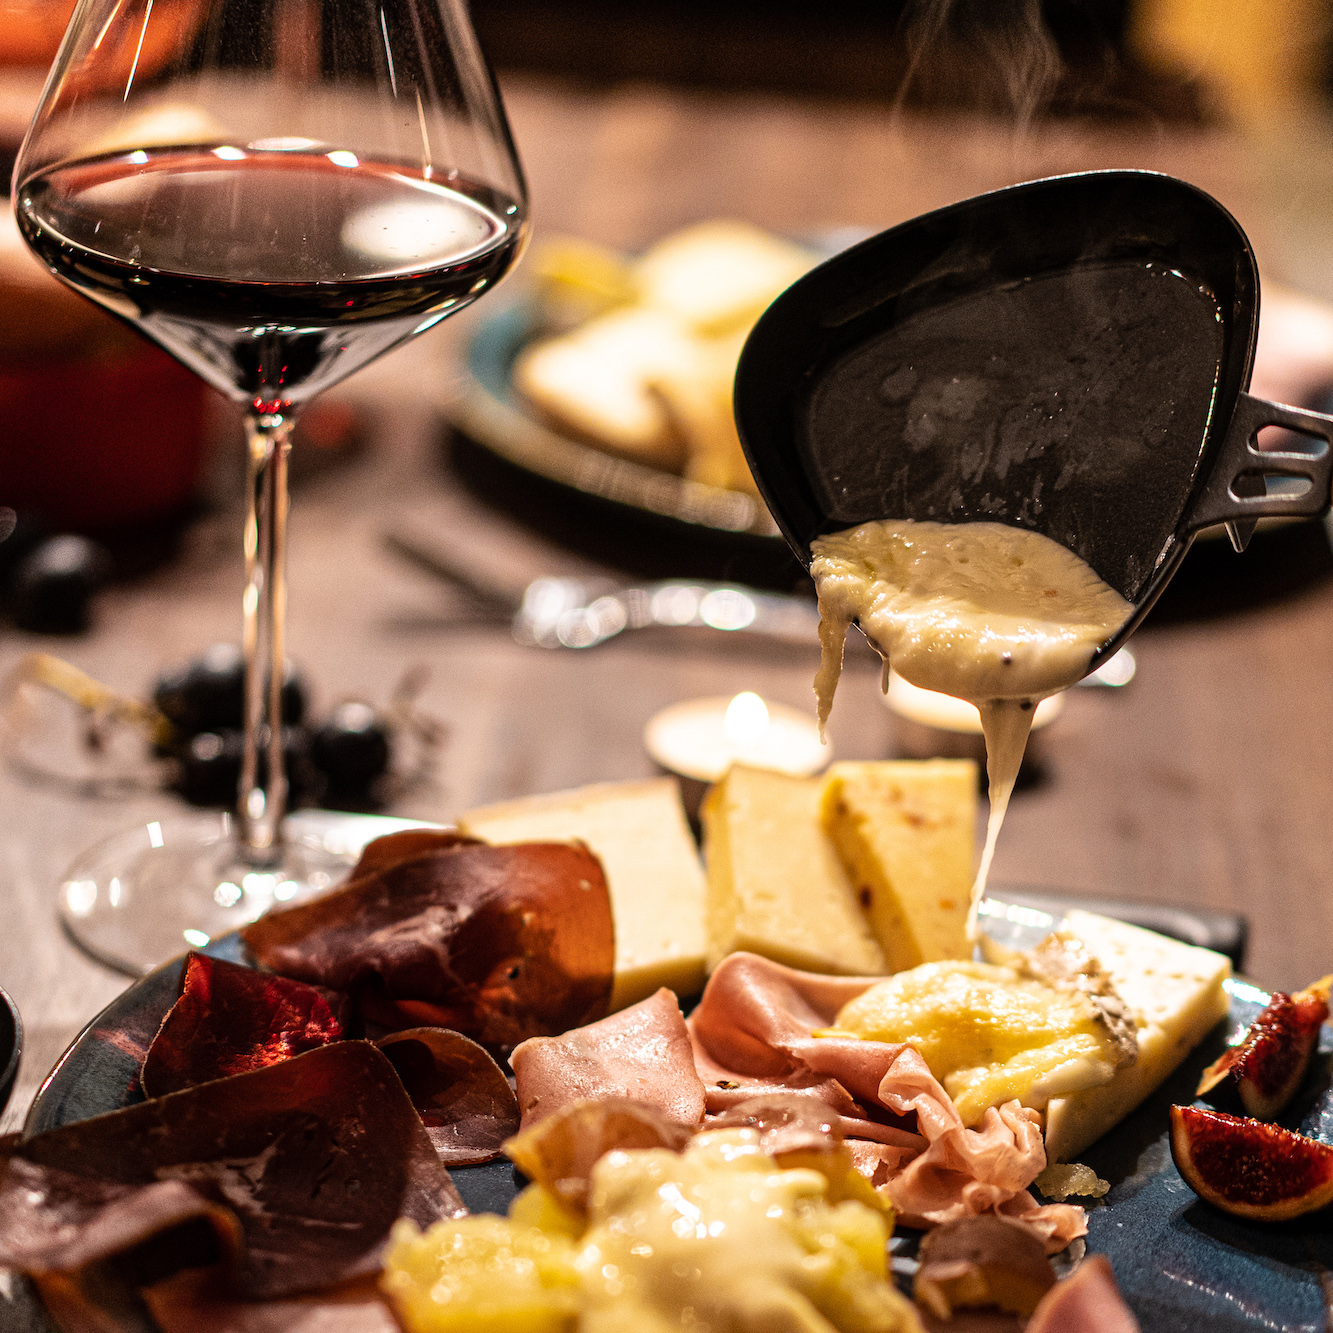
1249	1168
1270	1063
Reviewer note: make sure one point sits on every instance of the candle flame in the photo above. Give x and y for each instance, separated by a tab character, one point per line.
746	720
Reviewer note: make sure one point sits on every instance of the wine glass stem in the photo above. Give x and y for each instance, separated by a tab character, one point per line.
260	807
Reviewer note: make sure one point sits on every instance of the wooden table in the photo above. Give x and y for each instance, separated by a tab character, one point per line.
1209	781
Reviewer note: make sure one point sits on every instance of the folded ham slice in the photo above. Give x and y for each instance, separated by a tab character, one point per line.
754	1029
641	1053
1088	1301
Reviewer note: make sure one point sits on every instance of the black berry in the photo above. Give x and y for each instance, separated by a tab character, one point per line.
52	587
351	748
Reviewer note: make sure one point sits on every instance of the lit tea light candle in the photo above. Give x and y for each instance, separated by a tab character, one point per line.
698	740
932	725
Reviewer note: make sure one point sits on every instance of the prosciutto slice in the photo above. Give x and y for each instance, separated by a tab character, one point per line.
1088	1301
756	1024
642	1053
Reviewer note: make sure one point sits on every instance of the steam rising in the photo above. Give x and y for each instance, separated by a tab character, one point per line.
1004	43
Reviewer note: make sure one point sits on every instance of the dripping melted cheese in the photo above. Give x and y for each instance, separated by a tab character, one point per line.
995	615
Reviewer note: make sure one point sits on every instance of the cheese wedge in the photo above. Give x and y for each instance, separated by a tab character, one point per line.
1175	994
775	884
905	831
638	831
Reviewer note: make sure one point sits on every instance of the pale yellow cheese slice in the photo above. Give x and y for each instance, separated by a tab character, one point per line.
905	830
1175	993
718	275
638	832
775	884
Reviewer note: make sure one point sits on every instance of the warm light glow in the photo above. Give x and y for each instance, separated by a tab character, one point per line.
340	157
746	720
229	154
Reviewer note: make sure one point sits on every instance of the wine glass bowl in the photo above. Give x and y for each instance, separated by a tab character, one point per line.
276	192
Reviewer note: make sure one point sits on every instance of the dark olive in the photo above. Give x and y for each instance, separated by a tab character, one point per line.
351	748
208	694
52	587
209	771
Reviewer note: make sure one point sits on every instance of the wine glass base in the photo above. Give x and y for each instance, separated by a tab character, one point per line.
147	894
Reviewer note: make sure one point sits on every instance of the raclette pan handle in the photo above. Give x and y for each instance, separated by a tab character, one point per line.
1234	490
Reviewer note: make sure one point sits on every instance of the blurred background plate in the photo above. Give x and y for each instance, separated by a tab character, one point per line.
490	413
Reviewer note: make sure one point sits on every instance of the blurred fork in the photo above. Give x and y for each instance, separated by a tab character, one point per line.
567	612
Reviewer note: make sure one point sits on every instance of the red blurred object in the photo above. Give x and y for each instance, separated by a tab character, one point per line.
98	442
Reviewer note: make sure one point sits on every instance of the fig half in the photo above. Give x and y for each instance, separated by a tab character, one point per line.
1271	1061
1249	1168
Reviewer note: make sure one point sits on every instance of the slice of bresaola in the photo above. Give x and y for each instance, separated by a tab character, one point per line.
231	1019
461	1094
499	943
304	1164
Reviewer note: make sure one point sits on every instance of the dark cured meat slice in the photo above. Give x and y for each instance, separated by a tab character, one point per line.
463	1098
57	1221
231	1019
381	854
315	1157
499	943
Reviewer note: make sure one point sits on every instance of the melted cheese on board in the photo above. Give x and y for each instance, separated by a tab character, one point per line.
1175	995
988	1034
995	615
718	1236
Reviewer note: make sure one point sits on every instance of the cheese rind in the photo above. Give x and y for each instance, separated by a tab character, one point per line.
638	832
1174	991
905	831
775	884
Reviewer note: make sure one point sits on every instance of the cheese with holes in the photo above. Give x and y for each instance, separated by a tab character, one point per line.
775	884
1176	995
638	832
905	831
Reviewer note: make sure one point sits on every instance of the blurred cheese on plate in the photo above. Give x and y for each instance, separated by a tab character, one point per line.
718	274
905	831
638	832
775	884
597	381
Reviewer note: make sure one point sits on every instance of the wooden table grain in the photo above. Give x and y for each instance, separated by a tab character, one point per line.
1209	781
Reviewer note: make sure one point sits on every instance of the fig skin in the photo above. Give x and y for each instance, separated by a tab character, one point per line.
1249	1168
1270	1063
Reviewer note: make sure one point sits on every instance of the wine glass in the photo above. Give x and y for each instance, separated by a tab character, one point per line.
277	192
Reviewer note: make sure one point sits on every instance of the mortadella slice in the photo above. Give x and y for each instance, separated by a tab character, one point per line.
642	1053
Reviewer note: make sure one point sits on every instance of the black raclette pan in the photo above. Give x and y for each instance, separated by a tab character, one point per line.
1069	356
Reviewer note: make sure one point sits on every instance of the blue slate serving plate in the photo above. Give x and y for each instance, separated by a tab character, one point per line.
1179	1262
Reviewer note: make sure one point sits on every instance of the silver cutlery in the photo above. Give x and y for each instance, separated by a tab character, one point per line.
561	611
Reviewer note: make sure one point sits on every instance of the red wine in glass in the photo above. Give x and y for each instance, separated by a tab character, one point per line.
270	274
277	192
